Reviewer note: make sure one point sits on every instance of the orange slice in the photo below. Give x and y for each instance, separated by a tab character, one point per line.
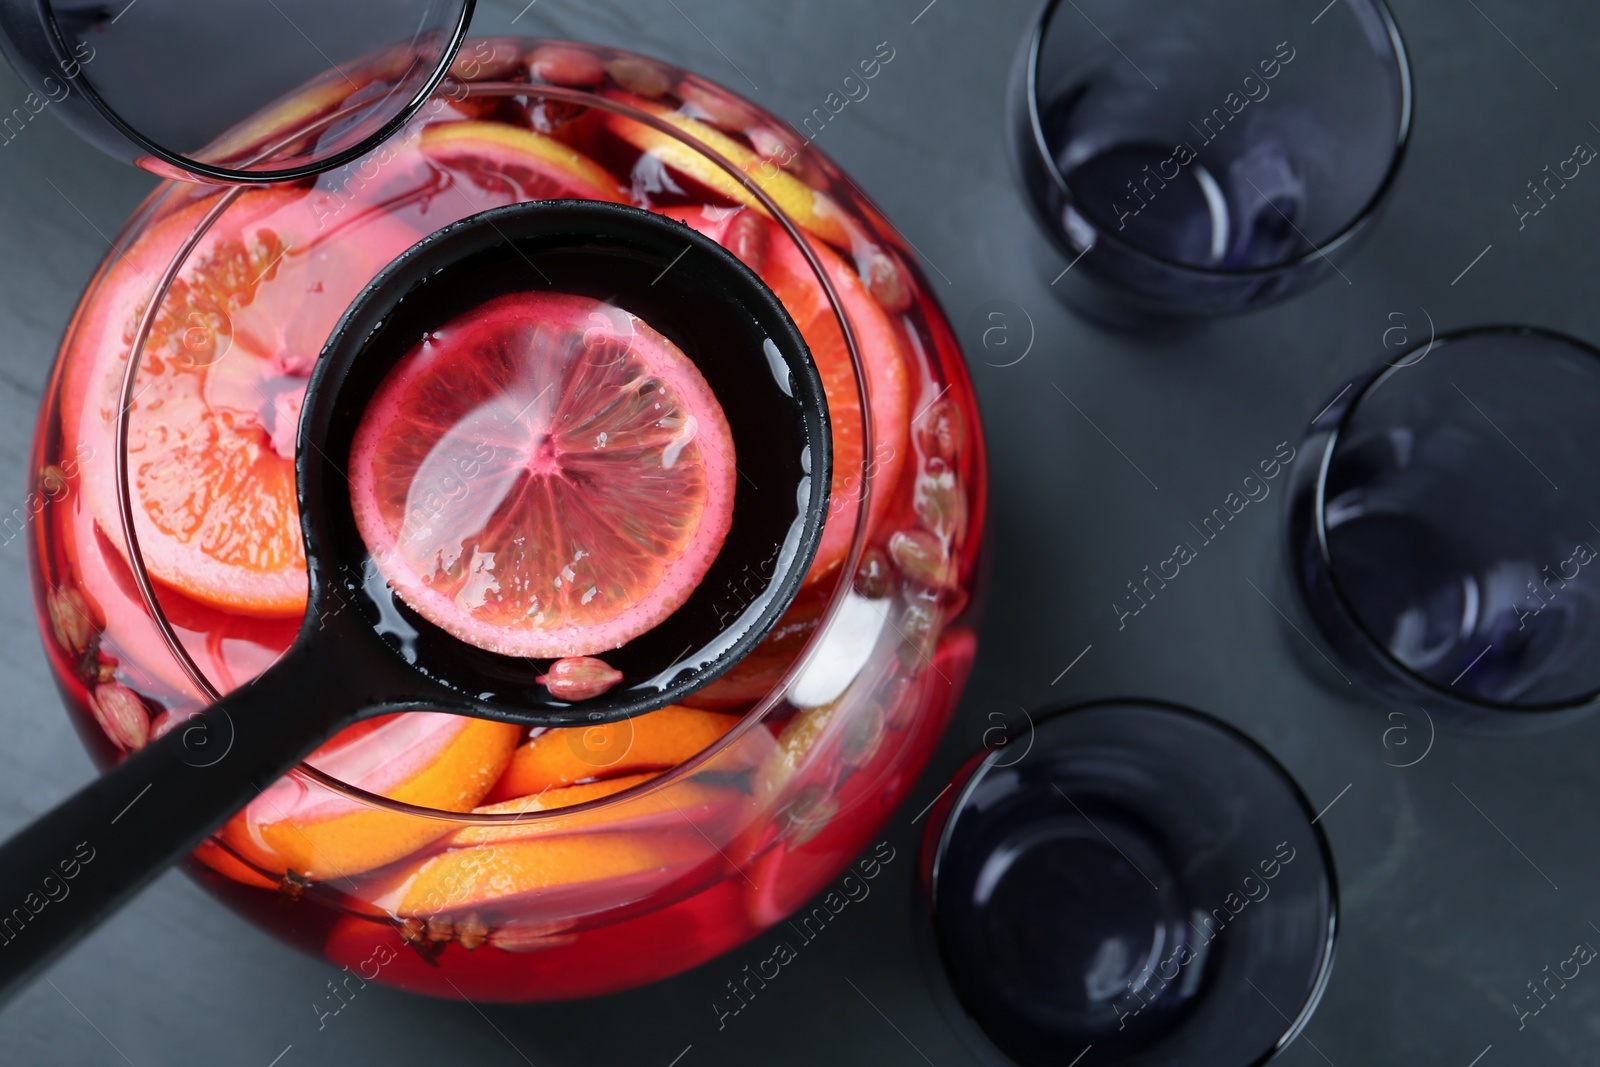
424	758
653	742
683	804
213	420
789	275
482	874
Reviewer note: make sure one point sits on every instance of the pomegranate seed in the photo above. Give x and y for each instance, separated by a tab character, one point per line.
942	434
485	61
121	714
873	578
887	282
920	624
70	621
921	557
555	65
579	678
639	76
715	106
940	503
162	724
471	931
805	816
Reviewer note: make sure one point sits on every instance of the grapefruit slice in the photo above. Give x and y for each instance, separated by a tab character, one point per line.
429	759
790	277
544	476
503	161
656	741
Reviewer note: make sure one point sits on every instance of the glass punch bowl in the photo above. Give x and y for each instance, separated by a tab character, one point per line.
451	856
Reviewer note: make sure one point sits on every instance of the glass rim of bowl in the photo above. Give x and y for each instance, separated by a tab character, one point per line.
1357	223
752	718
1320	527
978	766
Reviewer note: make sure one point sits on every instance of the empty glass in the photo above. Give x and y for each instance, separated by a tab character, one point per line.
196	89
1445	526
1207	156
1144	886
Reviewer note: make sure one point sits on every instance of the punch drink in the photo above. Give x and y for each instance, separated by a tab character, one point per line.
461	857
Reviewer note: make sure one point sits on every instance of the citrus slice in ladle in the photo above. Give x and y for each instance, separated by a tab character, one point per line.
545	475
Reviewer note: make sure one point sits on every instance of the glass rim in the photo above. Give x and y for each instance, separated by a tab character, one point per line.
1346	233
979	766
750	720
189	168
1320	526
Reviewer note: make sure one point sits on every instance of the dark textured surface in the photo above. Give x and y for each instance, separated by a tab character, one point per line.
1446	914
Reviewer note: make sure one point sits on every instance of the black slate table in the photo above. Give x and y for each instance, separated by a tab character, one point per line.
1463	876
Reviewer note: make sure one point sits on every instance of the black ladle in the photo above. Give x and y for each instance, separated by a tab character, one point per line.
362	651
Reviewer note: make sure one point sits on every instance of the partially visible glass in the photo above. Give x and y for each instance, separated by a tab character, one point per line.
1444	528
1205	157
206	91
1142	886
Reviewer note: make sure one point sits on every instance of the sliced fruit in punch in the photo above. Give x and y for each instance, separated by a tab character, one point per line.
654	742
785	270
219	387
544	476
426	759
504	159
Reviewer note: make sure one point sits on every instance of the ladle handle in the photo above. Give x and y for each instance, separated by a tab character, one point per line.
74	866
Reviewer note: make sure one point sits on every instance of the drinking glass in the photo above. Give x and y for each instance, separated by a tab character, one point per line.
1444	531
1143	886
205	91
1205	157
